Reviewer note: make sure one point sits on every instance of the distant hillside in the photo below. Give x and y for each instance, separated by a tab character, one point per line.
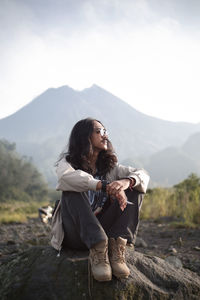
172	165
192	146
41	128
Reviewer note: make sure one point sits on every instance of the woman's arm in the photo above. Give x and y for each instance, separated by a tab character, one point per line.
122	178
70	179
140	176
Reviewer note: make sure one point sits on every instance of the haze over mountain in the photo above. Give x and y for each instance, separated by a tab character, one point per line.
171	165
41	129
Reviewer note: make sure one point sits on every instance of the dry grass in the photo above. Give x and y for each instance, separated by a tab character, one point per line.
19	212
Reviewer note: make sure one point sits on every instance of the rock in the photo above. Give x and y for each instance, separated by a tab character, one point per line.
172	249
154	247
140	242
39	274
180	242
197	248
11	242
176	262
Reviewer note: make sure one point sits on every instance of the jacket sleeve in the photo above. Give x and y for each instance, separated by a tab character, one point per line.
140	175
70	179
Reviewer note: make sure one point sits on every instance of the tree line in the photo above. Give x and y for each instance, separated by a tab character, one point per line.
181	201
19	178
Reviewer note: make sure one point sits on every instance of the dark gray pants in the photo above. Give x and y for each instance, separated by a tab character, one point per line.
83	229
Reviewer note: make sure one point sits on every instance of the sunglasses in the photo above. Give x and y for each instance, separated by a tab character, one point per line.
102	131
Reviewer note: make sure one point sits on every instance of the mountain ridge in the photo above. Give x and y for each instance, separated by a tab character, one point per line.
41	128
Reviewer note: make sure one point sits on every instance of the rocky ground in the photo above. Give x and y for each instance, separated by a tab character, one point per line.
164	240
154	238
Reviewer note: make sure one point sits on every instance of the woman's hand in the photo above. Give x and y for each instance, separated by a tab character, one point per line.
122	199
116	190
117	186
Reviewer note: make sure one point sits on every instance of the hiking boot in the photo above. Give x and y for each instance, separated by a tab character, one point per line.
100	265
117	250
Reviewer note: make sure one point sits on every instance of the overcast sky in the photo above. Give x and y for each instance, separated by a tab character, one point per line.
147	52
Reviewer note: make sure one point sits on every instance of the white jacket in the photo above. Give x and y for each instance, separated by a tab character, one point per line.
70	179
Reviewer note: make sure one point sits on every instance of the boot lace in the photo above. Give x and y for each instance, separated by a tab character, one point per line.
99	256
119	254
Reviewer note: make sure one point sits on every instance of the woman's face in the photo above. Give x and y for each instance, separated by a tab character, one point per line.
99	137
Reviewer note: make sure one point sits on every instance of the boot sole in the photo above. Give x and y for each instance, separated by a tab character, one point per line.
121	276
102	280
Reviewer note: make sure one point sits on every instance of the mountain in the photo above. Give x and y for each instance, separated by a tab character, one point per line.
173	164
41	128
192	146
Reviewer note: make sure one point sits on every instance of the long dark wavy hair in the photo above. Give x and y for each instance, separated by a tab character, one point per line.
80	149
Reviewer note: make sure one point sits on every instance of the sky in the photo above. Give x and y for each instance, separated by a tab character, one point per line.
146	52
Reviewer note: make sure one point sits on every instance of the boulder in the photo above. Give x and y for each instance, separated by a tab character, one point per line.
174	261
140	243
39	274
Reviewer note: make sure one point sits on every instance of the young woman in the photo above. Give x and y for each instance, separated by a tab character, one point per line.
101	199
